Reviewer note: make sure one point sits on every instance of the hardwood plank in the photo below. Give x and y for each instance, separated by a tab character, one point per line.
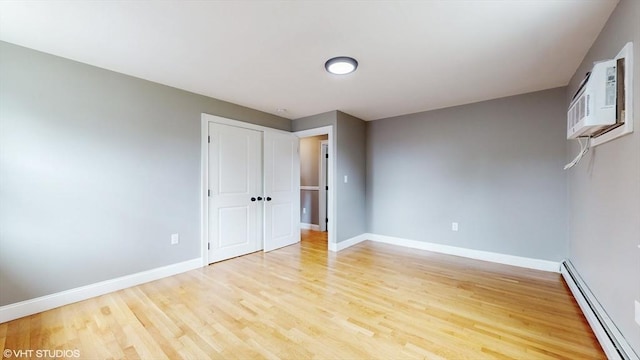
370	301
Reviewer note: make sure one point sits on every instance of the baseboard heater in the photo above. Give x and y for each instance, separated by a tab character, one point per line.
610	338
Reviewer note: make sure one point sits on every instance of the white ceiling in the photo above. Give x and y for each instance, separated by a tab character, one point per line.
414	55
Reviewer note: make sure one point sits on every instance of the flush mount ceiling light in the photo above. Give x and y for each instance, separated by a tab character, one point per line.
341	65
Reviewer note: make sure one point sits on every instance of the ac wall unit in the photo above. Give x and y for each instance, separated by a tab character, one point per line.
602	108
593	108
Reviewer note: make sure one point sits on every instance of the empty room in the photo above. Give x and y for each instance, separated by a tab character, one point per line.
320	179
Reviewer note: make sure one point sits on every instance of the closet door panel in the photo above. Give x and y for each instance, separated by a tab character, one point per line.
235	182
282	190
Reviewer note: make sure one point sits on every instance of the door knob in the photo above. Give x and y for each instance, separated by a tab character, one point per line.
268	198
253	199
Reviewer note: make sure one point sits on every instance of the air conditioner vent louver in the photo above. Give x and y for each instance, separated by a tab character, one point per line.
594	106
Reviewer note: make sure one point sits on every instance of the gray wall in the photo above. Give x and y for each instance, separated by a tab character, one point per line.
351	161
350	145
97	169
310	176
329	118
495	167
309	200
310	160
604	192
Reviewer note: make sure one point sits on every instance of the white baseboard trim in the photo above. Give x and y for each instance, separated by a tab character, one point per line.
615	346
537	264
347	243
524	262
48	302
313	227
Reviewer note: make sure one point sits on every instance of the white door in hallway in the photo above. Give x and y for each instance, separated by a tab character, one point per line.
282	190
323	198
235	184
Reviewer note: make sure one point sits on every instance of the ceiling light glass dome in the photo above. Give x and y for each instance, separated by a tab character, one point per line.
341	65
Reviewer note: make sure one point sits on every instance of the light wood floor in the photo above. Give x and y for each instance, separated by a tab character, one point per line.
370	301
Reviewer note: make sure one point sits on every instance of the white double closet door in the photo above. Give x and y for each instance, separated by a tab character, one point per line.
254	184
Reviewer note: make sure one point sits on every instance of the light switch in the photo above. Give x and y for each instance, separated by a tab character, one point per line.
346	179
175	238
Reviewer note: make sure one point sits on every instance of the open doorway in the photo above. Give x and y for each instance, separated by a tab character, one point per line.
313	184
316	178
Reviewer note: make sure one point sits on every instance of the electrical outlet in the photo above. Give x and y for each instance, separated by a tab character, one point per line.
638	312
175	239
454	226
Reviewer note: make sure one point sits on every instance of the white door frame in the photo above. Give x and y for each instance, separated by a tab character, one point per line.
323	183
331	209
204	173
